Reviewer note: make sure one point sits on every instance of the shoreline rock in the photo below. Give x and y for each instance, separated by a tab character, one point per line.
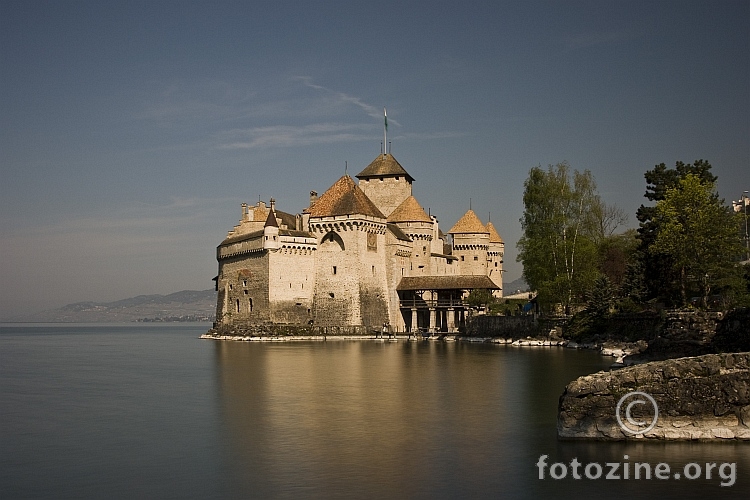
703	398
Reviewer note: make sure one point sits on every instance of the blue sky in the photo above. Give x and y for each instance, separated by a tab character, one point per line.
130	132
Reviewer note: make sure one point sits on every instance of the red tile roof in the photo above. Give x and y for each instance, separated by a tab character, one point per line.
344	198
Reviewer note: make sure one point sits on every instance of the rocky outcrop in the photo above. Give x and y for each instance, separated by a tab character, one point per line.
698	398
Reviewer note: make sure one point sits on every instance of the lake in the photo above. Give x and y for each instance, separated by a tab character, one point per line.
152	411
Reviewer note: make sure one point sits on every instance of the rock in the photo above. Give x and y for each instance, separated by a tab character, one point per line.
698	398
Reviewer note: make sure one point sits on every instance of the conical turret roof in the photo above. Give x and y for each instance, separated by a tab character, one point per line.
271	220
494	235
385	165
469	223
409	211
344	198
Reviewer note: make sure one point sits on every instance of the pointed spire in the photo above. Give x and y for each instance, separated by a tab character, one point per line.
469	223
409	211
494	235
271	220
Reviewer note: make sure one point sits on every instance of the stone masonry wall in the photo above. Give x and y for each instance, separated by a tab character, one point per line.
291	285
242	279
387	194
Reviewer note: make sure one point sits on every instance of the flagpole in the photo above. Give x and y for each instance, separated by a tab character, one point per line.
385	132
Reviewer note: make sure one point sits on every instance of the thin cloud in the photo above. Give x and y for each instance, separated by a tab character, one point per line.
293	136
372	111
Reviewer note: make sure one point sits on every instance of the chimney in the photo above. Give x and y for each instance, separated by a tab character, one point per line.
313	198
273	205
244	213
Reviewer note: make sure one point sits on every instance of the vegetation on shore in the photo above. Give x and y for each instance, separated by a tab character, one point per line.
686	254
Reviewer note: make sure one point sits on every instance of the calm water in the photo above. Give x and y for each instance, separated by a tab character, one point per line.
149	411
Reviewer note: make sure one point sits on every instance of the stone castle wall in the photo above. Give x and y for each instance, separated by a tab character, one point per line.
291	280
387	193
243	288
471	250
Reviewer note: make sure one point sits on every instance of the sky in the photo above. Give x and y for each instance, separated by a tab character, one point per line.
131	132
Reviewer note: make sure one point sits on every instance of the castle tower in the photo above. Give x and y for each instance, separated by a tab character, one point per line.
271	232
350	269
495	259
386	183
471	242
411	218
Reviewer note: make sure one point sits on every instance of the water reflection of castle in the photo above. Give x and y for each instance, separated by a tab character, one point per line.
361	254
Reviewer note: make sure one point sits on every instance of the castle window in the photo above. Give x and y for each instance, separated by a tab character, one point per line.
372	241
373	270
495	264
250	304
230	286
462	258
244	282
334	269
238	305
476	258
245	292
397	177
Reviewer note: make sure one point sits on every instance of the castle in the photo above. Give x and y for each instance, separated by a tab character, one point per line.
361	255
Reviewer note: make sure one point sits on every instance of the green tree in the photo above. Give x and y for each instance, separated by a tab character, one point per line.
658	270
601	298
698	235
561	224
615	254
480	298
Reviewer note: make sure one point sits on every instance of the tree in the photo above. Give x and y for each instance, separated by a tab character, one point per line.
615	254
658	270
558	248
480	297
698	234
601	298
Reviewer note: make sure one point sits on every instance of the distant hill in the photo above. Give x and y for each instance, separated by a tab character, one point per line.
515	286
187	305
